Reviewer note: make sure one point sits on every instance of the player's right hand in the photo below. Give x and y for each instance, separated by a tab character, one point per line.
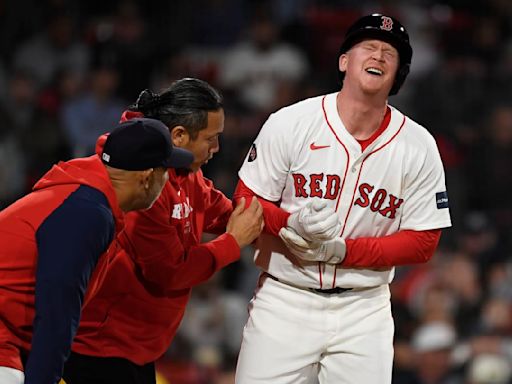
331	252
246	224
316	221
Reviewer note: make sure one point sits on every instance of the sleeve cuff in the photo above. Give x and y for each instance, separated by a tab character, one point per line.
225	250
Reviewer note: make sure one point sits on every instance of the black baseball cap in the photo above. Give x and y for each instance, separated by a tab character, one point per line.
142	143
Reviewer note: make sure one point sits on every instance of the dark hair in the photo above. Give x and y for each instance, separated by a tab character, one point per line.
186	102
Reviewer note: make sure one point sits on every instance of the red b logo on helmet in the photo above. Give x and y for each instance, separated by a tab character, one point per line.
387	23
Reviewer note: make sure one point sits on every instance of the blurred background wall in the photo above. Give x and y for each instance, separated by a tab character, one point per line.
69	68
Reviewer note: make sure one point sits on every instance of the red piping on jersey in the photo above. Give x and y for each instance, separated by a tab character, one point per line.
358	176
346	170
342	185
320	274
387	142
334	277
345	148
361	168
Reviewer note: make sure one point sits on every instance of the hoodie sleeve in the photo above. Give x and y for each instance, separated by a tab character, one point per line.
218	209
69	242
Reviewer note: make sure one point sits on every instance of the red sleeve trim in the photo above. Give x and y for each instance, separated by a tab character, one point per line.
401	248
275	217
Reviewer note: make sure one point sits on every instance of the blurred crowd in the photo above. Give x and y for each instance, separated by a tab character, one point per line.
69	68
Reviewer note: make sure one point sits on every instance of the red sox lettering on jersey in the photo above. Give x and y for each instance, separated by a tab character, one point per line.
181	210
377	200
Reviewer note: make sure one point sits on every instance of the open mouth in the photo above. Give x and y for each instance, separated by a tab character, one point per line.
374	71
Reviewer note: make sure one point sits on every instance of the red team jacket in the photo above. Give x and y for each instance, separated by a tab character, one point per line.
136	312
19	225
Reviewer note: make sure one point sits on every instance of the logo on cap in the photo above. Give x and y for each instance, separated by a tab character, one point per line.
105	157
387	23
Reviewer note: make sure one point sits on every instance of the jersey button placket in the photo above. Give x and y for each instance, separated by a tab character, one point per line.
356	164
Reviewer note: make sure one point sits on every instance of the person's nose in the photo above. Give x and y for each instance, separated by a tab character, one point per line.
378	54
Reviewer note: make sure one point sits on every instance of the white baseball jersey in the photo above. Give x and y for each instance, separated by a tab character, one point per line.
304	151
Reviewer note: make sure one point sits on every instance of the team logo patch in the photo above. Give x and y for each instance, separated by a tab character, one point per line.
387	23
442	200
252	154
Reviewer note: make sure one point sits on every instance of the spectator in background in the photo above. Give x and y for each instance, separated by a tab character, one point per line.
459	275
88	116
218	22
213	324
256	69
488	176
128	45
432	345
17	112
489	369
479	239
56	49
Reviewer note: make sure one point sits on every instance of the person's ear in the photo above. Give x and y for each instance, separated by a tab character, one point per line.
145	178
180	136
342	62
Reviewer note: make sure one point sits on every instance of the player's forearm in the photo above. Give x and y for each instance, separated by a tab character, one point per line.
274	216
401	248
192	266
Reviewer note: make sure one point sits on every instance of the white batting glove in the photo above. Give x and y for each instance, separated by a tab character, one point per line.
315	221
331	252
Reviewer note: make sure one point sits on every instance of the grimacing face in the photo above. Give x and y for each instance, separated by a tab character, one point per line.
206	144
372	64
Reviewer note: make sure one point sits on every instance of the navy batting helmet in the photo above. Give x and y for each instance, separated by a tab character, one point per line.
385	28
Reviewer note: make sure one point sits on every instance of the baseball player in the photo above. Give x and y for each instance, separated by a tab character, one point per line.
321	310
53	239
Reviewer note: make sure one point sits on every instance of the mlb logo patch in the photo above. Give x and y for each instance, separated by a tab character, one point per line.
252	154
442	200
105	157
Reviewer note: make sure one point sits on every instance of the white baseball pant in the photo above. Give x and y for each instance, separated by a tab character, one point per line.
11	376
295	336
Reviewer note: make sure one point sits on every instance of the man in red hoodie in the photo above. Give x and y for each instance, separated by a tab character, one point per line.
134	316
56	242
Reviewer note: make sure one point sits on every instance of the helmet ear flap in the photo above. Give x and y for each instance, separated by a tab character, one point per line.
402	73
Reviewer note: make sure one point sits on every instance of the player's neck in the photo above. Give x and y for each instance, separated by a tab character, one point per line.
360	117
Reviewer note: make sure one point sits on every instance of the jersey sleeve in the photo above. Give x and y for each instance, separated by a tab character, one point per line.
275	217
425	197
267	164
69	242
159	251
401	248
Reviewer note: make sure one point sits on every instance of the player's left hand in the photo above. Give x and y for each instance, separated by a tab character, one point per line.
331	252
316	221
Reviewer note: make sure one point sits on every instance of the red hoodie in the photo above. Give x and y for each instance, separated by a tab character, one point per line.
136	312
47	255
